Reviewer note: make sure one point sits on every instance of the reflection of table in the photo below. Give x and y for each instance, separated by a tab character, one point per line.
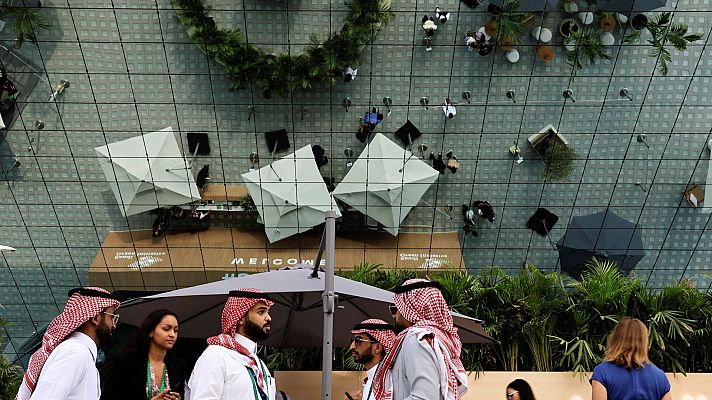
219	197
219	192
545	53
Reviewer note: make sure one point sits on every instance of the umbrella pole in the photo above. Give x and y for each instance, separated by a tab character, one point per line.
329	303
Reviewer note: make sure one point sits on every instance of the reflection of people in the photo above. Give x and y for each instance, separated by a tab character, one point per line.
425	360
468	218
362	133
442	16
519	389
229	367
429	25
373	118
160	224
453	164
474	40
449	108
64	366
350	74
438	162
485	210
370	341
626	372
202	177
148	363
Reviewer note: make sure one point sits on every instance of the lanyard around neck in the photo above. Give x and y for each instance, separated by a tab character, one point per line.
150	379
258	392
370	389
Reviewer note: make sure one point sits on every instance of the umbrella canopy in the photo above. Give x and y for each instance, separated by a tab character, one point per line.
604	235
290	195
385	182
630	6
533	5
148	171
297	314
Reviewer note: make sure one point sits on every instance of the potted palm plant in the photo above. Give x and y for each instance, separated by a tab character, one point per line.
608	21
509	25
27	22
247	203
568	26
587	47
664	32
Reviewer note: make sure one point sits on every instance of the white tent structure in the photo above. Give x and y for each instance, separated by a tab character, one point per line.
290	195
386	182
148	171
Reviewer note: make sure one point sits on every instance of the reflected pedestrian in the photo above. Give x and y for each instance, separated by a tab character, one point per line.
64	366
449	108
350	74
429	25
485	210
438	162
453	164
442	16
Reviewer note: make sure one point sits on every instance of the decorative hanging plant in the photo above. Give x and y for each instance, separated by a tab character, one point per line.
247	64
664	32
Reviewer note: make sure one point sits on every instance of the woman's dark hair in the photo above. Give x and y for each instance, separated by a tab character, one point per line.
141	341
523	388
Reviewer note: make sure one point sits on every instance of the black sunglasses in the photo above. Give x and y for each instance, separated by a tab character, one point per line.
359	340
393	309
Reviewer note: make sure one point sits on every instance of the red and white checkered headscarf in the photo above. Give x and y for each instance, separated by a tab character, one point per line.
423	305
82	305
237	305
379	330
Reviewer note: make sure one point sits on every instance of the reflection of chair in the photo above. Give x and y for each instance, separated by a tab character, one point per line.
694	195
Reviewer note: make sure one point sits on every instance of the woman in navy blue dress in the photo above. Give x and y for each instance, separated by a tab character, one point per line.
626	372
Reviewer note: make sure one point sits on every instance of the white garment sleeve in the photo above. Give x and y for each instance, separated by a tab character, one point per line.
421	371
208	378
62	375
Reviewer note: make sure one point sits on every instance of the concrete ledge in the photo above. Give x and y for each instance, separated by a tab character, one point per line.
306	385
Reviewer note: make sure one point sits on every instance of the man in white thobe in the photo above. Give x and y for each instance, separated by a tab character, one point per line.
370	342
64	368
229	367
425	360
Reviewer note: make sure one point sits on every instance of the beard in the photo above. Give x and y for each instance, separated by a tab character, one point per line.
398	328
103	333
255	332
364	358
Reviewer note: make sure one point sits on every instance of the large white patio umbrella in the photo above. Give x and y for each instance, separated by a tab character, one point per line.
148	171
290	195
385	182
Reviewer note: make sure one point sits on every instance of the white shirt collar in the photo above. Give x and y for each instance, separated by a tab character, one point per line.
371	371
85	340
246	343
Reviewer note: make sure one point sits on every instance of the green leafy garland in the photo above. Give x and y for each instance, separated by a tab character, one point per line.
246	64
